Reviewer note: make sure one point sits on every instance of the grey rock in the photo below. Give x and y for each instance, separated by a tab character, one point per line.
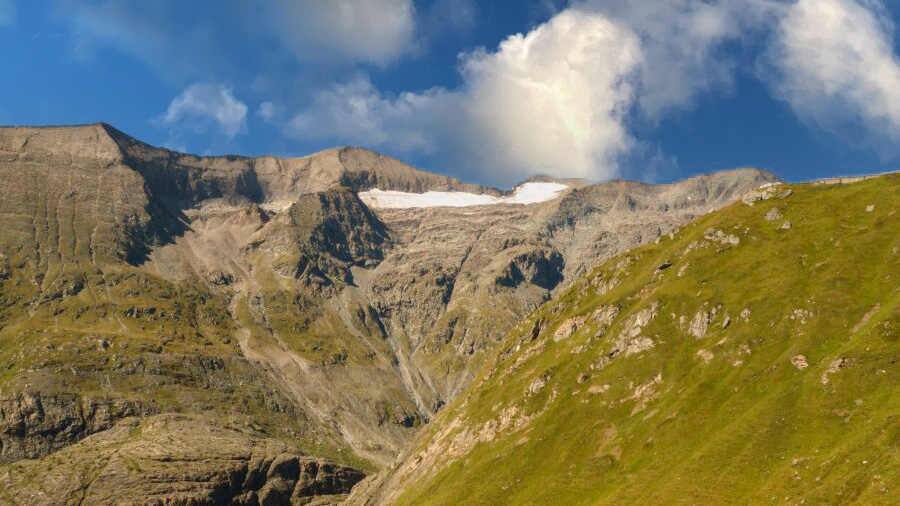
33	425
774	214
174	459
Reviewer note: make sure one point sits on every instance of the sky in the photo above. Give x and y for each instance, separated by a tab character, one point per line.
490	91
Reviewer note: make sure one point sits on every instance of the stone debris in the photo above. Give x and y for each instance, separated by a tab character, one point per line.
683	269
537	385
604	315
604	285
716	235
765	192
799	362
835	366
801	315
705	355
870	208
774	214
785	226
700	322
569	327
644	393
630	341
745	314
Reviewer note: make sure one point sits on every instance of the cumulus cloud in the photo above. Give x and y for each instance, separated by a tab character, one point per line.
552	101
358	112
558	100
373	31
7	12
682	42
202	106
833	61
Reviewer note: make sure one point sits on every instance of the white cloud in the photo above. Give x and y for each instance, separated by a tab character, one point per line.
203	105
553	101
833	62
682	43
564	98
7	12
558	100
373	31
268	111
357	111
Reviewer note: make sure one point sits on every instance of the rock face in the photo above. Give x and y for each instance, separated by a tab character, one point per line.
174	459
265	293
35	425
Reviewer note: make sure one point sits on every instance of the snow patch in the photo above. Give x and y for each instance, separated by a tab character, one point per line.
527	193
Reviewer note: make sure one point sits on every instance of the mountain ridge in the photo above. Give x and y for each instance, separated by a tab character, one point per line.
265	296
749	357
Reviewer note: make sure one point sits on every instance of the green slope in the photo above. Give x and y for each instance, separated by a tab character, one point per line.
744	363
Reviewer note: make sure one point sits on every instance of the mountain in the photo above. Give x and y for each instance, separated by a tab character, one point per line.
151	297
750	357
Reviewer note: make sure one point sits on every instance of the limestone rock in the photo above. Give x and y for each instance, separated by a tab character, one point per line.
701	321
174	459
33	425
568	327
713	234
774	214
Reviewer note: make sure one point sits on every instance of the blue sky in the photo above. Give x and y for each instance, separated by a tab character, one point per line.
488	91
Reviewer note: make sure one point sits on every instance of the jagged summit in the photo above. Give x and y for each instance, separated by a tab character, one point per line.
262	179
271	178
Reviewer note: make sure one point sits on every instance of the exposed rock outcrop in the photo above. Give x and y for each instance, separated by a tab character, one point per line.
173	459
34	425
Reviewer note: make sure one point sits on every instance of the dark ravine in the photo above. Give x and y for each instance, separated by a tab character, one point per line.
334	328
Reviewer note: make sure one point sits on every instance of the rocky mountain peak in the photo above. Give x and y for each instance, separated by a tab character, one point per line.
268	293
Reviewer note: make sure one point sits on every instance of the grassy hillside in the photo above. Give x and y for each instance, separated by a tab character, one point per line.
750	358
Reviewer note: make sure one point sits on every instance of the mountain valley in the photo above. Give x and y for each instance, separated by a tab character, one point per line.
178	329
